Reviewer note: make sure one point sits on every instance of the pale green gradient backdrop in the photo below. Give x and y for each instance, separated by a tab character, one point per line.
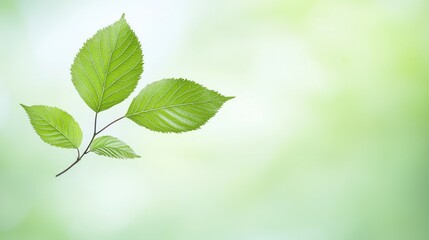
327	139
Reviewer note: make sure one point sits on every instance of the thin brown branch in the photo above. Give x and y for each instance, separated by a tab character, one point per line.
95	133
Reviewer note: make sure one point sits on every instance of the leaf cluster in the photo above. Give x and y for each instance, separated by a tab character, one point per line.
105	72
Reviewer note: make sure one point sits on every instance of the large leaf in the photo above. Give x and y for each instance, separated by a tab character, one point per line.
174	105
112	147
108	66
55	126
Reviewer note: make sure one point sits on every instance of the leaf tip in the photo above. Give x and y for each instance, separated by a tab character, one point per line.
23	106
123	16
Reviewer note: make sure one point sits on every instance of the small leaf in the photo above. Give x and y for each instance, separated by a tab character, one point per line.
108	66
174	105
55	126
112	147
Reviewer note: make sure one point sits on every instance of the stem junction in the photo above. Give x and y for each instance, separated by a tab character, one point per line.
95	133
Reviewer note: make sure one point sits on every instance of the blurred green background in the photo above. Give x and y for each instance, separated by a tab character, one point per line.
327	139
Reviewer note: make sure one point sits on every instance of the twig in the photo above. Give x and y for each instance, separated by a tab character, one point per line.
95	133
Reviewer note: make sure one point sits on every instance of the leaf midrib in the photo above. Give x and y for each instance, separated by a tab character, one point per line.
56	129
172	106
108	67
127	153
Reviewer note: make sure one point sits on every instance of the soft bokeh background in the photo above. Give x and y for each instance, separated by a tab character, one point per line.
328	138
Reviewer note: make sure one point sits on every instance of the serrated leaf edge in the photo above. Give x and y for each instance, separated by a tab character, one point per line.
225	99
87	40
132	151
27	107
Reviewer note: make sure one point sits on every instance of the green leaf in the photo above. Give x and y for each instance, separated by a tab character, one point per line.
174	105
112	147
108	66
54	126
